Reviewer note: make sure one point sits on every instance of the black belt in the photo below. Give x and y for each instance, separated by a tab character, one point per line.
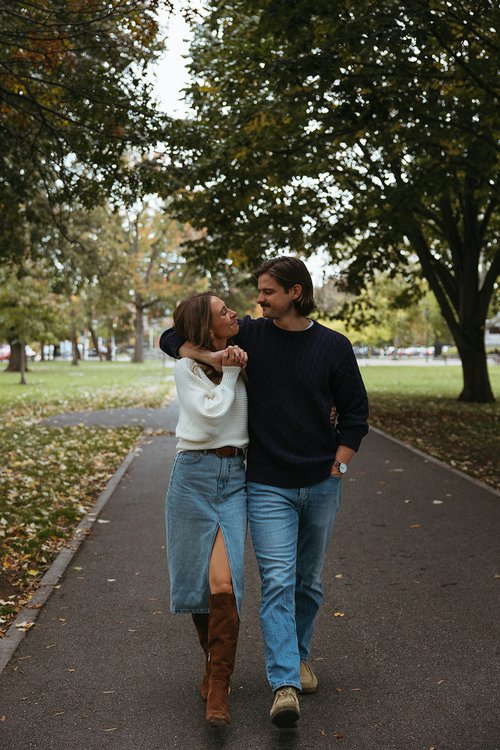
227	451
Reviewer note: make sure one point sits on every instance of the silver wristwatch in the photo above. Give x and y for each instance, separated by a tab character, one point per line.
340	466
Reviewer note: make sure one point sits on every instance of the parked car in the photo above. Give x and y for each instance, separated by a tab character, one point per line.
5	352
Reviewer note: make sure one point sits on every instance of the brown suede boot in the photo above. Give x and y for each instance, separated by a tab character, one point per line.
223	628
201	624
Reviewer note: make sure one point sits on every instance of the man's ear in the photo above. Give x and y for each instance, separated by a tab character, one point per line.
296	291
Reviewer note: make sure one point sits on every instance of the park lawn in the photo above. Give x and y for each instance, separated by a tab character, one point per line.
56	387
418	405
51	476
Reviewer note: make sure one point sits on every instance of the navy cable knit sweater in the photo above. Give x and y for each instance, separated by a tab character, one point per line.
294	379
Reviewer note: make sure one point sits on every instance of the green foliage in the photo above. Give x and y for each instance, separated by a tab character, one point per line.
386	312
74	102
28	307
369	131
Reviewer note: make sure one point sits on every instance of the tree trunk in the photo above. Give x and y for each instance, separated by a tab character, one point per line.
15	357
42	352
464	307
438	348
74	348
139	329
472	352
95	341
109	349
23	364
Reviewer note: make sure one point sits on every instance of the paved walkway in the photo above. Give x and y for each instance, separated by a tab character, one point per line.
413	568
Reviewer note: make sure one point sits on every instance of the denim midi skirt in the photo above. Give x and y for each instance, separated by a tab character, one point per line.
205	493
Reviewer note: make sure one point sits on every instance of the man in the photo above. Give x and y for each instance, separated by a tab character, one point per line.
298	371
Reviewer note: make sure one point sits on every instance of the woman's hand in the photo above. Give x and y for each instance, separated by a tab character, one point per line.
233	356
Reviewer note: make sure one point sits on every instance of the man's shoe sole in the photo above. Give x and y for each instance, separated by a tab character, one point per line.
285	719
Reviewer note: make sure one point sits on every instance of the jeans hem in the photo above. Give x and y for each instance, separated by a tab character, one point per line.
289	683
194	611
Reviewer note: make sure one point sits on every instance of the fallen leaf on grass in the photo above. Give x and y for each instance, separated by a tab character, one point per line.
338	614
416	526
338	736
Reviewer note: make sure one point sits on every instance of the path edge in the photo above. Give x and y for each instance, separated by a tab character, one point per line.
436	461
28	615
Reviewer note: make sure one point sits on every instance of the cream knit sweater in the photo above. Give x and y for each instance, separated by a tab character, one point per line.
210	415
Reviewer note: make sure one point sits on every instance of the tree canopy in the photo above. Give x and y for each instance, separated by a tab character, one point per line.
367	130
74	101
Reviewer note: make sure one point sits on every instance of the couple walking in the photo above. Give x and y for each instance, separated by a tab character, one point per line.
288	373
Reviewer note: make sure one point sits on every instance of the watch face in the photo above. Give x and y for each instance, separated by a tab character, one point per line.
342	467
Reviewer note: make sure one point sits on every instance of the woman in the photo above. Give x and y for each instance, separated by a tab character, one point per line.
206	501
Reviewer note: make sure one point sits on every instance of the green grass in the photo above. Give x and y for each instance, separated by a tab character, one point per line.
418	404
432	381
54	387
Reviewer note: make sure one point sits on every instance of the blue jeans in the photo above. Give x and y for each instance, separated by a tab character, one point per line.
206	493
290	529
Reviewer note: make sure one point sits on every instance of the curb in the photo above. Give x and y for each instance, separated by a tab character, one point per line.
437	461
28	615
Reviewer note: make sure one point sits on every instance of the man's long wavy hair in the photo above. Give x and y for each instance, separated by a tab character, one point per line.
288	271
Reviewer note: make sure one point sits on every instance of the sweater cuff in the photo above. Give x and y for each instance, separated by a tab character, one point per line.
230	373
351	438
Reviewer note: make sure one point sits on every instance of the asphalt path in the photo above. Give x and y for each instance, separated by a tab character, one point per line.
405	649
